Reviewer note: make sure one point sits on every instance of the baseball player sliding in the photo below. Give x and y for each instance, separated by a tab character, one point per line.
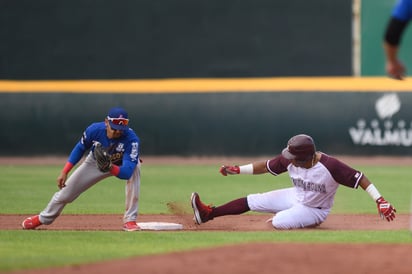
114	151
315	177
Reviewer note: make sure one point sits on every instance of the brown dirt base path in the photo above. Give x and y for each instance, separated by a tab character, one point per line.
246	222
245	258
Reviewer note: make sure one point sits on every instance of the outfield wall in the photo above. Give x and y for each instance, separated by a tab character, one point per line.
193	117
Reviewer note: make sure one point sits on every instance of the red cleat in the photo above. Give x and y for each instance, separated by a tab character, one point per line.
31	222
202	212
131	226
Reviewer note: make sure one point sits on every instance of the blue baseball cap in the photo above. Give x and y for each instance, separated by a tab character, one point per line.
118	118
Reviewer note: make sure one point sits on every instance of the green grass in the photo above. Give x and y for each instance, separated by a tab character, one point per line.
27	190
37	249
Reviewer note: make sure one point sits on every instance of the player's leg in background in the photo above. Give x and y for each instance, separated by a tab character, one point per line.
132	193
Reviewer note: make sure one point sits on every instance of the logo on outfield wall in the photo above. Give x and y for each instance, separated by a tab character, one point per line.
383	131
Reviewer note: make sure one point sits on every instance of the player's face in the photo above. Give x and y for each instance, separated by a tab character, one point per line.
112	133
303	164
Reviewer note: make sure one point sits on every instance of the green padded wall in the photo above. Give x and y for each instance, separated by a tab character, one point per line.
234	123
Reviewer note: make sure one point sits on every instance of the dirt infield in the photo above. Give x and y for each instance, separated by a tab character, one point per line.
244	258
246	222
258	258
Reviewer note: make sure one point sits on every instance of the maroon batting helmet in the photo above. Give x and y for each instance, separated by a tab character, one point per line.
300	147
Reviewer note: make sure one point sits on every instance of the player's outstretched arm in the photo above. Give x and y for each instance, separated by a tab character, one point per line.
385	209
254	168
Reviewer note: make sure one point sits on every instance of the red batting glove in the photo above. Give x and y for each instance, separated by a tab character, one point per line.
385	209
225	170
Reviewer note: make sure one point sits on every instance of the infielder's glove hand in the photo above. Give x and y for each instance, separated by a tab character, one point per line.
231	170
104	164
385	209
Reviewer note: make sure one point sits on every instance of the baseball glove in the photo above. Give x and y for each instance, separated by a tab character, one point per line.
103	161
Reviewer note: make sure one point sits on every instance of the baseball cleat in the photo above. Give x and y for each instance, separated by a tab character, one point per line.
31	222
201	211
131	226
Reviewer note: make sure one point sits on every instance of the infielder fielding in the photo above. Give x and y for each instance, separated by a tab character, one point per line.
114	151
315	177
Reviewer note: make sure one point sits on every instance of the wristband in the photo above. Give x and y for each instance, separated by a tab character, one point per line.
373	192
115	170
67	167
246	169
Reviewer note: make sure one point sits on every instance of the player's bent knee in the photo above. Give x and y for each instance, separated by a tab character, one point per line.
280	224
285	222
281	227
